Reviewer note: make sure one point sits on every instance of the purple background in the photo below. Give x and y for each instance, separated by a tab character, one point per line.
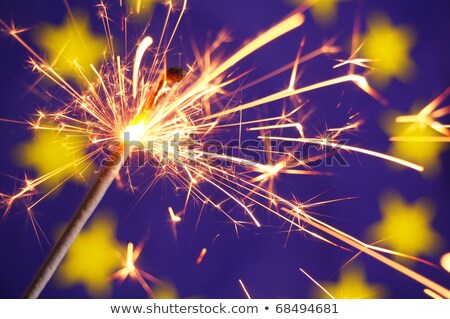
258	256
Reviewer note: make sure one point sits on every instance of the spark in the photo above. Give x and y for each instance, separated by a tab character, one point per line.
332	144
175	218
317	284
244	289
432	294
429	116
358	61
143	46
131	270
201	256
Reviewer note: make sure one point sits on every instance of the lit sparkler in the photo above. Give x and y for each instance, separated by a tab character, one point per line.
244	289
166	116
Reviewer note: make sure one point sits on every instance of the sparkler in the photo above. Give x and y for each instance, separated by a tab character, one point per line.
169	115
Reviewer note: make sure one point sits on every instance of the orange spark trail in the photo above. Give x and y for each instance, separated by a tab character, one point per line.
245	289
325	142
317	284
186	114
201	256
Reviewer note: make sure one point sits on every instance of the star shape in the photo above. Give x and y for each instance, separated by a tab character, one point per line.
70	44
55	155
405	228
324	12
388	47
93	258
424	153
352	284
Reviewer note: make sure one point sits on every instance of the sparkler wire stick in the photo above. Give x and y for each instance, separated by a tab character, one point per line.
73	229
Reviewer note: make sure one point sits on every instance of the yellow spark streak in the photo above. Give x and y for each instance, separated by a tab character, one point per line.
357	79
317	284
163	59
294	69
435	103
339	130
420	139
298	126
183	9
130	270
325	142
249	212
201	256
427	117
359	62
445	261
425	120
182	111
245	289
324	49
173	217
269	197
276	31
130	258
432	294
138	6
143	46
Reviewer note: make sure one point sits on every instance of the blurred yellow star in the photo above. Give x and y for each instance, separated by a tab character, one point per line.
405	228
169	291
324	12
422	151
93	258
70	44
56	155
352	284
165	291
388	47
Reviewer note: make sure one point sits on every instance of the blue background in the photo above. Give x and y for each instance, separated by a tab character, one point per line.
259	256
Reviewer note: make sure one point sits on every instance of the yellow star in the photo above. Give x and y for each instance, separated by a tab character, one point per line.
165	291
423	151
93	258
70	44
56	155
352	284
388	47
324	12
405	227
